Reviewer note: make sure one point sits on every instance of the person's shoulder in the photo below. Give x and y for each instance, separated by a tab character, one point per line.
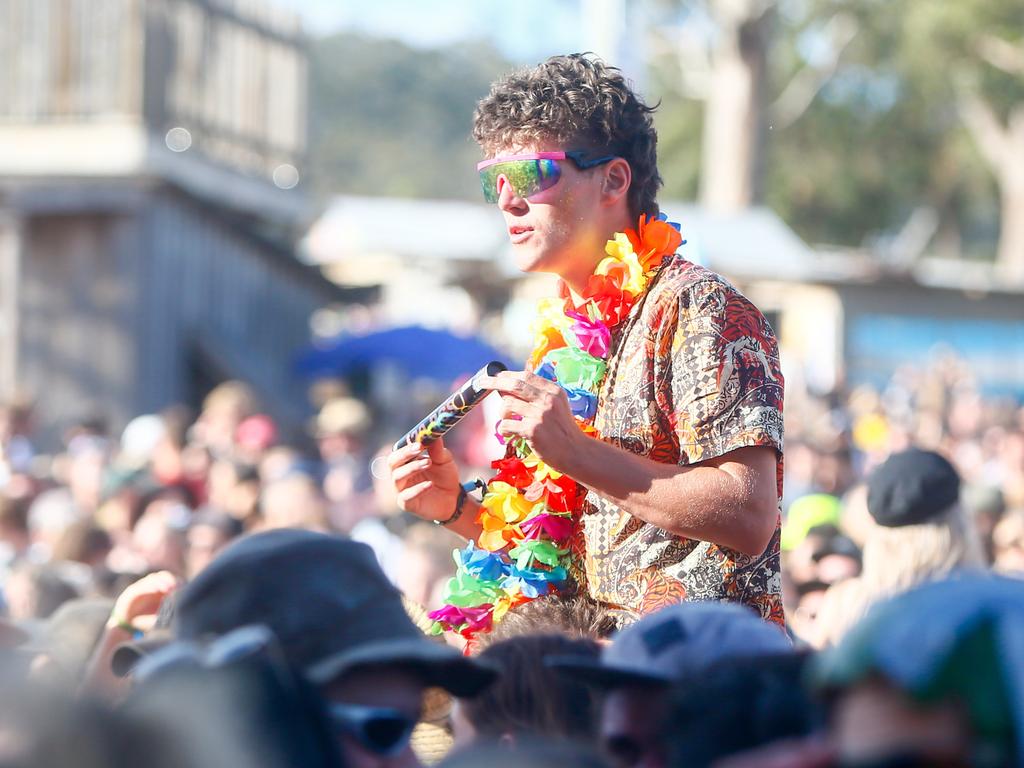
680	278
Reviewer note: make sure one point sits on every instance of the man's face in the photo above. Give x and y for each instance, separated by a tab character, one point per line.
389	688
561	230
631	727
873	720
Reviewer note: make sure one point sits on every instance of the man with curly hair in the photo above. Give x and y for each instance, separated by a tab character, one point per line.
685	481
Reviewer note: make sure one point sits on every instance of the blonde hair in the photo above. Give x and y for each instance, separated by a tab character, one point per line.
895	560
898	558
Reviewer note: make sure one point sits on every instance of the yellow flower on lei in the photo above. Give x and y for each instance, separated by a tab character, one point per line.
541	471
621	256
505	502
502	605
550	314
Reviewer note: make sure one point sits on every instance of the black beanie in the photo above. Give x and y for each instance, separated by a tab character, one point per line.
912	487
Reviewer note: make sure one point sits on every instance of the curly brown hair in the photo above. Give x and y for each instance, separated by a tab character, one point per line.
582	103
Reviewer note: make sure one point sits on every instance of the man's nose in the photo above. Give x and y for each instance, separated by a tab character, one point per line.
508	200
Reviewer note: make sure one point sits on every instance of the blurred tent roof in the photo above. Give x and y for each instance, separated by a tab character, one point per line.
438	229
754	243
751	244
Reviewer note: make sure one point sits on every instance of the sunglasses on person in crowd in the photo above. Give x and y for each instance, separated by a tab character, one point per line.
380	730
531	174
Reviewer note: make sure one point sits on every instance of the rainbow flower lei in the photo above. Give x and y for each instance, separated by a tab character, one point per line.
530	511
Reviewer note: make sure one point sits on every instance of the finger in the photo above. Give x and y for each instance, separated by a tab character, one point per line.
512	428
404	472
404	454
410	493
437	452
516	388
512	406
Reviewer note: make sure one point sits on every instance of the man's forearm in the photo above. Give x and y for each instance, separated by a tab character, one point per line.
726	501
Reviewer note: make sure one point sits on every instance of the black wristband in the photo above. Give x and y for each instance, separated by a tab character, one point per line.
459	504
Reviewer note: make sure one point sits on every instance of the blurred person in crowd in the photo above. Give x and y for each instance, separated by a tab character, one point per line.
573	616
209	531
807	512
1012	469
1008	544
157	539
341	429
44	730
62	645
293	501
49	515
695	461
15	537
80	473
140	440
984	505
376	520
339	620
254	437
527	702
168	463
809	596
16	449
921	533
837	559
932	677
278	462
134	614
84	542
535	754
35	591
637	670
224	409
743	709
235	488
424	564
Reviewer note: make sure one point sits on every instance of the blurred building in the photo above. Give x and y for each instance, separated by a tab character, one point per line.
151	154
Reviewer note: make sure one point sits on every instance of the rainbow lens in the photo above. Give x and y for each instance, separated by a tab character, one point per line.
527	177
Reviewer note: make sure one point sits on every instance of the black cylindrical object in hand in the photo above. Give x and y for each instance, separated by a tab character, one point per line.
451	411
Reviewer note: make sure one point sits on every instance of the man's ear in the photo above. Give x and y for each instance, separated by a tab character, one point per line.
617	178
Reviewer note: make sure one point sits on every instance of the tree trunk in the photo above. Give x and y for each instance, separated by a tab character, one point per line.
1010	256
731	166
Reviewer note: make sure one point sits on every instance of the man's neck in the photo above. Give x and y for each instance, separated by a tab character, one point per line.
591	257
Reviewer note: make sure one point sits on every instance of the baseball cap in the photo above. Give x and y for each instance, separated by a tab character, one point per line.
961	638
677	642
912	487
329	604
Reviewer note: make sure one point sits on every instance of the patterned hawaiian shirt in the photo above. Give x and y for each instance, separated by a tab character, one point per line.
693	374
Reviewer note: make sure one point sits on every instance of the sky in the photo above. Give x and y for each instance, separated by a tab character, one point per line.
525	31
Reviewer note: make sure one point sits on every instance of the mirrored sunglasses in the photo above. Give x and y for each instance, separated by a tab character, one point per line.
530	174
381	730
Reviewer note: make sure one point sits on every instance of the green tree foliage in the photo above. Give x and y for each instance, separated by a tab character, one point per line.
881	134
885	136
388	119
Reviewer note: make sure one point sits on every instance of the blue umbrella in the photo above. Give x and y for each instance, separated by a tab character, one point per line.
439	355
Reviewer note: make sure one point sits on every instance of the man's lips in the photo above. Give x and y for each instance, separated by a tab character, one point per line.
519	233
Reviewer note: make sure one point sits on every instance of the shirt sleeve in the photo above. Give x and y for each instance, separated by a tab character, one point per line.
725	384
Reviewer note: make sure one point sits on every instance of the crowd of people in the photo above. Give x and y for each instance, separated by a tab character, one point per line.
660	576
125	556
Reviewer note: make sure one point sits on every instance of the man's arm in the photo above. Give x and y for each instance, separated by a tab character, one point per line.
731	500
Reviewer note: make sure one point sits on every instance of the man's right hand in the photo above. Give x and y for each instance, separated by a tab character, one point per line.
427	485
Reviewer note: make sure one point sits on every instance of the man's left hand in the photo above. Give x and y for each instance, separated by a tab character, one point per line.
538	411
